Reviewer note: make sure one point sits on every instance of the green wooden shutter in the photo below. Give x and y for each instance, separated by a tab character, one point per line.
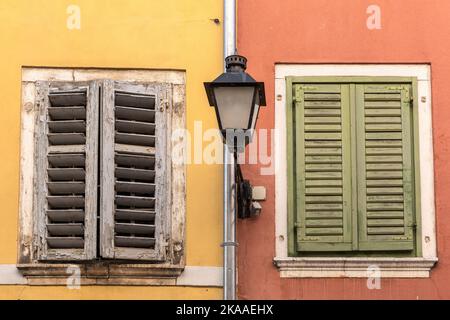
385	177
323	167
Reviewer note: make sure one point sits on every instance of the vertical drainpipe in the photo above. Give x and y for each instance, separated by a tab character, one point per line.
229	194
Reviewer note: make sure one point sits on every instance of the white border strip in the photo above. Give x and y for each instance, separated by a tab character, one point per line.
422	72
201	276
192	276
9	274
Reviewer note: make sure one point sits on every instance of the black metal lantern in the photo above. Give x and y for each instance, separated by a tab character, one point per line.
236	97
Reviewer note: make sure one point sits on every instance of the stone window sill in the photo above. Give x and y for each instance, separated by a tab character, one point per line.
102	274
354	267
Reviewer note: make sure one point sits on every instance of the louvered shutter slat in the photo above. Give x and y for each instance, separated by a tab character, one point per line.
135	174
66	138
135	139
136	161
134	242
66	242
68	187
66	160
134	228
66	215
67	126
59	202
136	202
135	215
135	187
322	158
68	98
129	99
385	198
74	229
135	127
135	114
66	171
67	113
133	170
61	174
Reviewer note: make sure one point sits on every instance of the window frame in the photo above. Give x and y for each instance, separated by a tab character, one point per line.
116	271
356	228
326	265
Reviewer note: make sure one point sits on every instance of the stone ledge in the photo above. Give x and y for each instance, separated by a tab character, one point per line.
354	267
102	274
113	281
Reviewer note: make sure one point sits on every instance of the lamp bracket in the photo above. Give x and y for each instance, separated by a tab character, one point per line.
246	207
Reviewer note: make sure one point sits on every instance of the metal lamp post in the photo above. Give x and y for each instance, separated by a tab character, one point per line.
236	97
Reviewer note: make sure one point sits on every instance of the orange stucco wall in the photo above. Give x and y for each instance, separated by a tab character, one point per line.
335	31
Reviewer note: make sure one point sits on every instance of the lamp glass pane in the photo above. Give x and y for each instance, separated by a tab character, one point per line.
255	112
234	105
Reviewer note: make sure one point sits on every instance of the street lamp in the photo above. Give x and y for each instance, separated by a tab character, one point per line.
236	97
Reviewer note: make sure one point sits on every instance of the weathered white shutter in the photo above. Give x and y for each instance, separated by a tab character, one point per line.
65	201
134	195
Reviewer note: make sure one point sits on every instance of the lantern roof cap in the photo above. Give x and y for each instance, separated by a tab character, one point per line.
235	76
235	63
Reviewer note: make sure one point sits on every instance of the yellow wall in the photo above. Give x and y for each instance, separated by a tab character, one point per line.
169	34
106	293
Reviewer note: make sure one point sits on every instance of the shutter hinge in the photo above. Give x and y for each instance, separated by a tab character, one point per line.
164	104
412	225
296	97
407	94
299	90
405	90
